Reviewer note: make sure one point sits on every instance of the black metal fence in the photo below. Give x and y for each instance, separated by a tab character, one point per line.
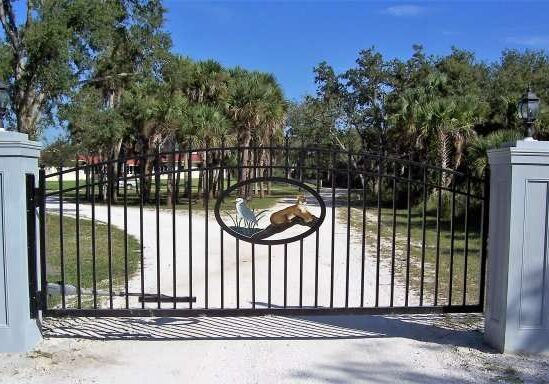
397	236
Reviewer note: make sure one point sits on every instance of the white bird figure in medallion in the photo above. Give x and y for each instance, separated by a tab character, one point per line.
244	212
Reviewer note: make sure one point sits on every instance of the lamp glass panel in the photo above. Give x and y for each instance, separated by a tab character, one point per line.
523	109
533	108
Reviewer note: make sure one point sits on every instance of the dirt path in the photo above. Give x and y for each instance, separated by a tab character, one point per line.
215	269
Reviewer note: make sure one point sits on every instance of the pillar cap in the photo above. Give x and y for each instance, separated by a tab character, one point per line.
16	144
521	152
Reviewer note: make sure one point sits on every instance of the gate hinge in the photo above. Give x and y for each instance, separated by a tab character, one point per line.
37	193
38	299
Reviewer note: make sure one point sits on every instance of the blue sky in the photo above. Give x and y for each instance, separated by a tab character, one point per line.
288	38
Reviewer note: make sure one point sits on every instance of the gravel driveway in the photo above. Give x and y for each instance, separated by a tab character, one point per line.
245	265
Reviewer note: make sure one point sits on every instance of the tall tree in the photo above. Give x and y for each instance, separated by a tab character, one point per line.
367	86
50	52
249	106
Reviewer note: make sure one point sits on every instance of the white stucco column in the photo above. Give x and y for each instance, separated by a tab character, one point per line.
18	157
517	295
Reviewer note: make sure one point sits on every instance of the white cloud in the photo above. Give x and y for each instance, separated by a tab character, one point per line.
404	10
531	41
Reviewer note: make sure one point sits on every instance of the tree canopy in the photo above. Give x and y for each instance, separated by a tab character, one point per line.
445	109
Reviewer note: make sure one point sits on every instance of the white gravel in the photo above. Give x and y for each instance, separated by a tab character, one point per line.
245	255
323	349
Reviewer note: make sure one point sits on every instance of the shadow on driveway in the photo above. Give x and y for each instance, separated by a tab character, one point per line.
450	329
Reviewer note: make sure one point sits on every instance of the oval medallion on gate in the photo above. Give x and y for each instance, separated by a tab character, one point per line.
270	210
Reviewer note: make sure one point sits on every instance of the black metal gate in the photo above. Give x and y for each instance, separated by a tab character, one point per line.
284	229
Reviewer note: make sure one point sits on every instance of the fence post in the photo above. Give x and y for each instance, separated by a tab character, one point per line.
517	295
18	158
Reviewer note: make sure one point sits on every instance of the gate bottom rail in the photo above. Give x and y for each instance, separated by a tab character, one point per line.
297	311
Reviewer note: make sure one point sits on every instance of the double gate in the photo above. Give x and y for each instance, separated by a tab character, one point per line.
234	230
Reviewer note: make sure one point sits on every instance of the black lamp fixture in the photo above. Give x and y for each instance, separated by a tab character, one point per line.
528	109
4	101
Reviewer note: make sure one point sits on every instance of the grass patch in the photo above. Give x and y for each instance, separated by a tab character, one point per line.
430	252
53	248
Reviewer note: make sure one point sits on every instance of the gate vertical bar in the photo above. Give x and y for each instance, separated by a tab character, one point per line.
408	231
452	240
42	235
142	160
237	244
270	253
174	237
157	212
125	214
206	196
94	259
253	275
423	233
301	273
31	245
317	233
269	278
221	232
378	244
77	240
285	275
332	254
190	197
484	236
393	240
109	227
363	243
61	238
466	251
437	260
348	249
301	166
237	271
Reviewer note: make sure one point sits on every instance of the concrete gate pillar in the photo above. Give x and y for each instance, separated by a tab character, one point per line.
18	157
517	295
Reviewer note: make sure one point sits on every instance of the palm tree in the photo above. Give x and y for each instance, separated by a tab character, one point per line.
169	112
211	126
255	100
477	151
270	131
140	104
209	82
467	114
430	117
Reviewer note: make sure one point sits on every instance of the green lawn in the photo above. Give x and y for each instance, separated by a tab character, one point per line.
86	259
416	250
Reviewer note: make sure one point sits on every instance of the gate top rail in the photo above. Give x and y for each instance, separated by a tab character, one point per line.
363	154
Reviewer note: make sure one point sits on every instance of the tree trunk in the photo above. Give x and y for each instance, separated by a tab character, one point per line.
170	186
444	156
178	178
244	141
115	171
200	179
458	156
189	176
